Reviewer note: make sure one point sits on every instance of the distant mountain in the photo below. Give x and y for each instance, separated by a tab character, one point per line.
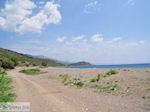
28	58
81	63
41	56
44	57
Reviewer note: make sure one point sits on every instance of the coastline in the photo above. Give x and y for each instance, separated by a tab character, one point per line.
144	65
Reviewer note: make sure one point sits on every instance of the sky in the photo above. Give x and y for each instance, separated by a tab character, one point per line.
97	31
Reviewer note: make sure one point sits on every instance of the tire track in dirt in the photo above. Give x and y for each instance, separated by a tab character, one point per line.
44	93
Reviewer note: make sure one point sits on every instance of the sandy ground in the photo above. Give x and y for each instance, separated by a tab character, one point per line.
48	94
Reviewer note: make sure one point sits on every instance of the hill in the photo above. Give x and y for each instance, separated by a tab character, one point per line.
81	63
24	58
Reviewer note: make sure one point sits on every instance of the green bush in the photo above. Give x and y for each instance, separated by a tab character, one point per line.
34	64
112	72
44	63
99	76
5	88
0	64
27	65
32	71
66	80
78	84
15	60
7	63
93	80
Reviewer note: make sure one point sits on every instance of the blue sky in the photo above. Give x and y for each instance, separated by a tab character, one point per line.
98	31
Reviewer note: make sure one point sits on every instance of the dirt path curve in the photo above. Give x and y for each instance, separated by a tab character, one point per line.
30	91
47	95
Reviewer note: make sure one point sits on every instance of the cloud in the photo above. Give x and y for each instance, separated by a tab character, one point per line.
141	42
131	2
92	4
97	38
17	16
94	53
14	13
61	39
91	7
115	40
77	38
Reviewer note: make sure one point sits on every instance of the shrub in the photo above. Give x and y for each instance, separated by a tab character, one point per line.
2	73
99	76
7	63
27	65
0	64
5	88
23	61
44	63
34	64
143	97
93	80
32	71
15	60
112	72
64	78
78	84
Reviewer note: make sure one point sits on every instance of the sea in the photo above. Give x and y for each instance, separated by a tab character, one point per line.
114	66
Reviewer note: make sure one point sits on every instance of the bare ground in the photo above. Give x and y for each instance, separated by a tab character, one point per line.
50	95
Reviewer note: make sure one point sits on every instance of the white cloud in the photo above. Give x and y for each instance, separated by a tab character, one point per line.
141	42
49	14
94	53
15	16
77	38
115	40
61	39
14	13
92	6
131	2
97	38
74	39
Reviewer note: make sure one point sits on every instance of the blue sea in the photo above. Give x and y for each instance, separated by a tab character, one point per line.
114	66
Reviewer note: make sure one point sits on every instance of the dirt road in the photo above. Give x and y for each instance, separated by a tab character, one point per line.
51	96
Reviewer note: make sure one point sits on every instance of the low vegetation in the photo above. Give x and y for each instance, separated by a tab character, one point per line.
108	86
101	76
27	65
8	63
10	59
6	94
66	80
143	97
96	83
44	63
52	77
34	64
32	71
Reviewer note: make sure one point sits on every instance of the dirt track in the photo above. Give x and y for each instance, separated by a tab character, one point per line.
48	95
